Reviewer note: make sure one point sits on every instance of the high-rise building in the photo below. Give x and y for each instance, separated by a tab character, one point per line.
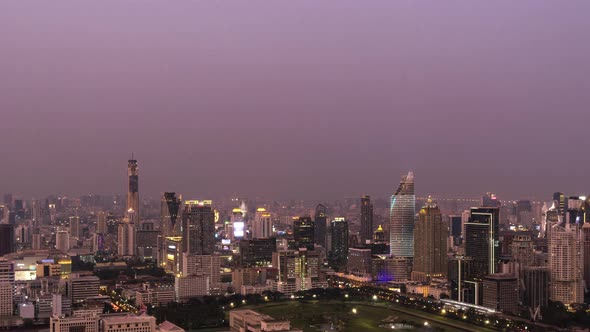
481	240
586	245
298	270
204	265
366	220
101	222
359	262
75	228
500	292
402	214
169	209
257	252
490	200
339	246
6	299
560	203
62	241
6	239
303	232
126	239
133	191
430	244
198	233
536	288
262	226
320	222
187	287
566	263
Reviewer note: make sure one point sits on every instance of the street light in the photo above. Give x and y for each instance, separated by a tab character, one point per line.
374	297
354	311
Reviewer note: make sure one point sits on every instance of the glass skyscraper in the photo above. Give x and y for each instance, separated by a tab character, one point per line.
401	218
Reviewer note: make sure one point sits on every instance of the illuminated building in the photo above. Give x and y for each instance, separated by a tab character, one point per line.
297	270
481	241
262	226
320	223
133	191
198	232
386	268
173	260
339	245
303	232
430	244
169	209
566	263
402	215
257	252
366	220
490	200
379	235
237	225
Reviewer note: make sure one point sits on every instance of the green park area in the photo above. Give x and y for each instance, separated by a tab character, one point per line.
316	316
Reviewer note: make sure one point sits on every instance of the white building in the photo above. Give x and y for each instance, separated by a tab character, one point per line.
191	286
205	265
262	225
126	239
250	320
127	323
62	241
86	323
566	262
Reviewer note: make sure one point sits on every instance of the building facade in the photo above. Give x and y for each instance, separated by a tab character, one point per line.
401	218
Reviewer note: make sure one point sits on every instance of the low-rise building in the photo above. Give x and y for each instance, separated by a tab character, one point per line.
250	320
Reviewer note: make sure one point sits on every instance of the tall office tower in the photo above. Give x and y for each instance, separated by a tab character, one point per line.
402	214
455	229
6	239
560	203
75	229
204	265
586	244
500	292
481	240
19	209
459	269
524	213
490	200
169	209
566	263
198	232
339	246
303	232
101	222
126	240
237	224
430	244
133	191
262	226
366	220
320	223
536	289
257	252
62	241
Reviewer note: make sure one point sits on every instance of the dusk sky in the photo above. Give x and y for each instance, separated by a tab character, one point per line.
295	99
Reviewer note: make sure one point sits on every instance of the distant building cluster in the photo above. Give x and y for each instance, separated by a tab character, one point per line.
64	260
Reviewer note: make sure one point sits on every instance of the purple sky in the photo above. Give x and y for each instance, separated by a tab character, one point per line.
295	99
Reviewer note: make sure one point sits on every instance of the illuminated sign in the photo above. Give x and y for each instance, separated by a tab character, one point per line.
239	229
172	247
225	241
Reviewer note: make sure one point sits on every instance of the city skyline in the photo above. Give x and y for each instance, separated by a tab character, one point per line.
215	99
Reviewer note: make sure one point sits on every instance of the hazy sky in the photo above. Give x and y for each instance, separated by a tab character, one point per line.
295	99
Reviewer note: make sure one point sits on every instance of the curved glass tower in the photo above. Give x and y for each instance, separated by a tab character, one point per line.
401	218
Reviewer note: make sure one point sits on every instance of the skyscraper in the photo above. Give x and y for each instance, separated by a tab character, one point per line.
303	232
126	239
566	263
481	240
133	191
430	244
6	239
101	222
402	214
169	209
262	226
320	225
198	228
366	219
586	245
339	246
